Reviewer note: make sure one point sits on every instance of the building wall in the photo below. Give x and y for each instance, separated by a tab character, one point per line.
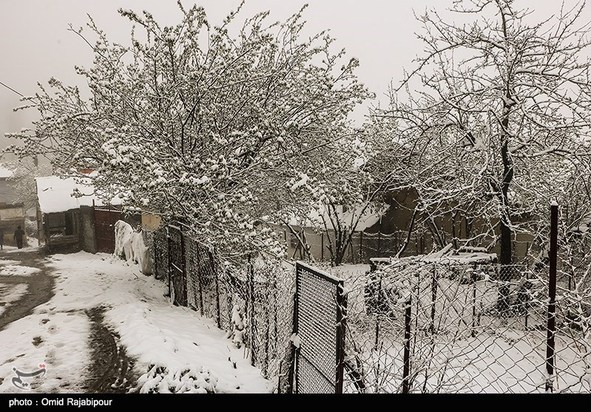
58	239
150	221
8	194
12	213
12	216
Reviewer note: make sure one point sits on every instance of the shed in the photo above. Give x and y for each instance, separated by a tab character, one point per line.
66	214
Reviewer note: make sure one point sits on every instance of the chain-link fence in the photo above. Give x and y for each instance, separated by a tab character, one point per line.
457	328
412	325
253	303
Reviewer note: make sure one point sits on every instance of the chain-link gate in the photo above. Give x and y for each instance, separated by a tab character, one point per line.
319	329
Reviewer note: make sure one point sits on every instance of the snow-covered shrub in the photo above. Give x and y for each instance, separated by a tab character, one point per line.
141	253
238	321
159	379
129	245
123	237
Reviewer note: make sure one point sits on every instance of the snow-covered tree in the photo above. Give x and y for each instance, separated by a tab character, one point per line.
494	114
207	123
343	193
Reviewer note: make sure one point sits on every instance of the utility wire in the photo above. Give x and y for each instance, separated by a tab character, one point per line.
11	89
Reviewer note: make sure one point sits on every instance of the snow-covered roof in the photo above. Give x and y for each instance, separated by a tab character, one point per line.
56	194
6	173
369	218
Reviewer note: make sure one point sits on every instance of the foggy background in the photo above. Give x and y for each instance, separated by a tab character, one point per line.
35	43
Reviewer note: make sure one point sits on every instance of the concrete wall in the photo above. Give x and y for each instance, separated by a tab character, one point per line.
150	222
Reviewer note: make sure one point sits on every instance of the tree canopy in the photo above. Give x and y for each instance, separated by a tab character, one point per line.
212	124
494	118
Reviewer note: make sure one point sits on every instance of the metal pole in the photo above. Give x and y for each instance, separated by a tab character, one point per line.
251	318
433	299
406	370
183	301
211	256
552	297
200	275
341	320
473	275
361	254
168	260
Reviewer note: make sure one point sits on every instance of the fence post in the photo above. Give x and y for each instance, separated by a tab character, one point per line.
433	299
341	325
183	301
217	288
361	254
552	297
251	320
377	295
199	276
406	370
267	321
154	254
168	260
473	279
292	376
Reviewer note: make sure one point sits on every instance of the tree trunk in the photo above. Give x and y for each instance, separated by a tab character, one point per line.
506	257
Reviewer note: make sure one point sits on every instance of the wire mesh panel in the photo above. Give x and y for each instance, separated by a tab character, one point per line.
194	288
160	253
412	325
177	266
471	329
207	280
319	331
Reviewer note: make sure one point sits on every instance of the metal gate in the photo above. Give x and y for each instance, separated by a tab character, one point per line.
104	226
320	308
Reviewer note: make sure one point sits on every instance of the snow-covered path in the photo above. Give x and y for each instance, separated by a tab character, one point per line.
172	347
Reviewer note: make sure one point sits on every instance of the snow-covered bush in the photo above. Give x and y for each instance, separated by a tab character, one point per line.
130	246
159	379
123	238
238	321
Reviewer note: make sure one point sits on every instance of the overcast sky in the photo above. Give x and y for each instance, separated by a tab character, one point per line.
35	43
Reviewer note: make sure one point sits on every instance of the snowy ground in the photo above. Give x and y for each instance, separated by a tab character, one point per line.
169	339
